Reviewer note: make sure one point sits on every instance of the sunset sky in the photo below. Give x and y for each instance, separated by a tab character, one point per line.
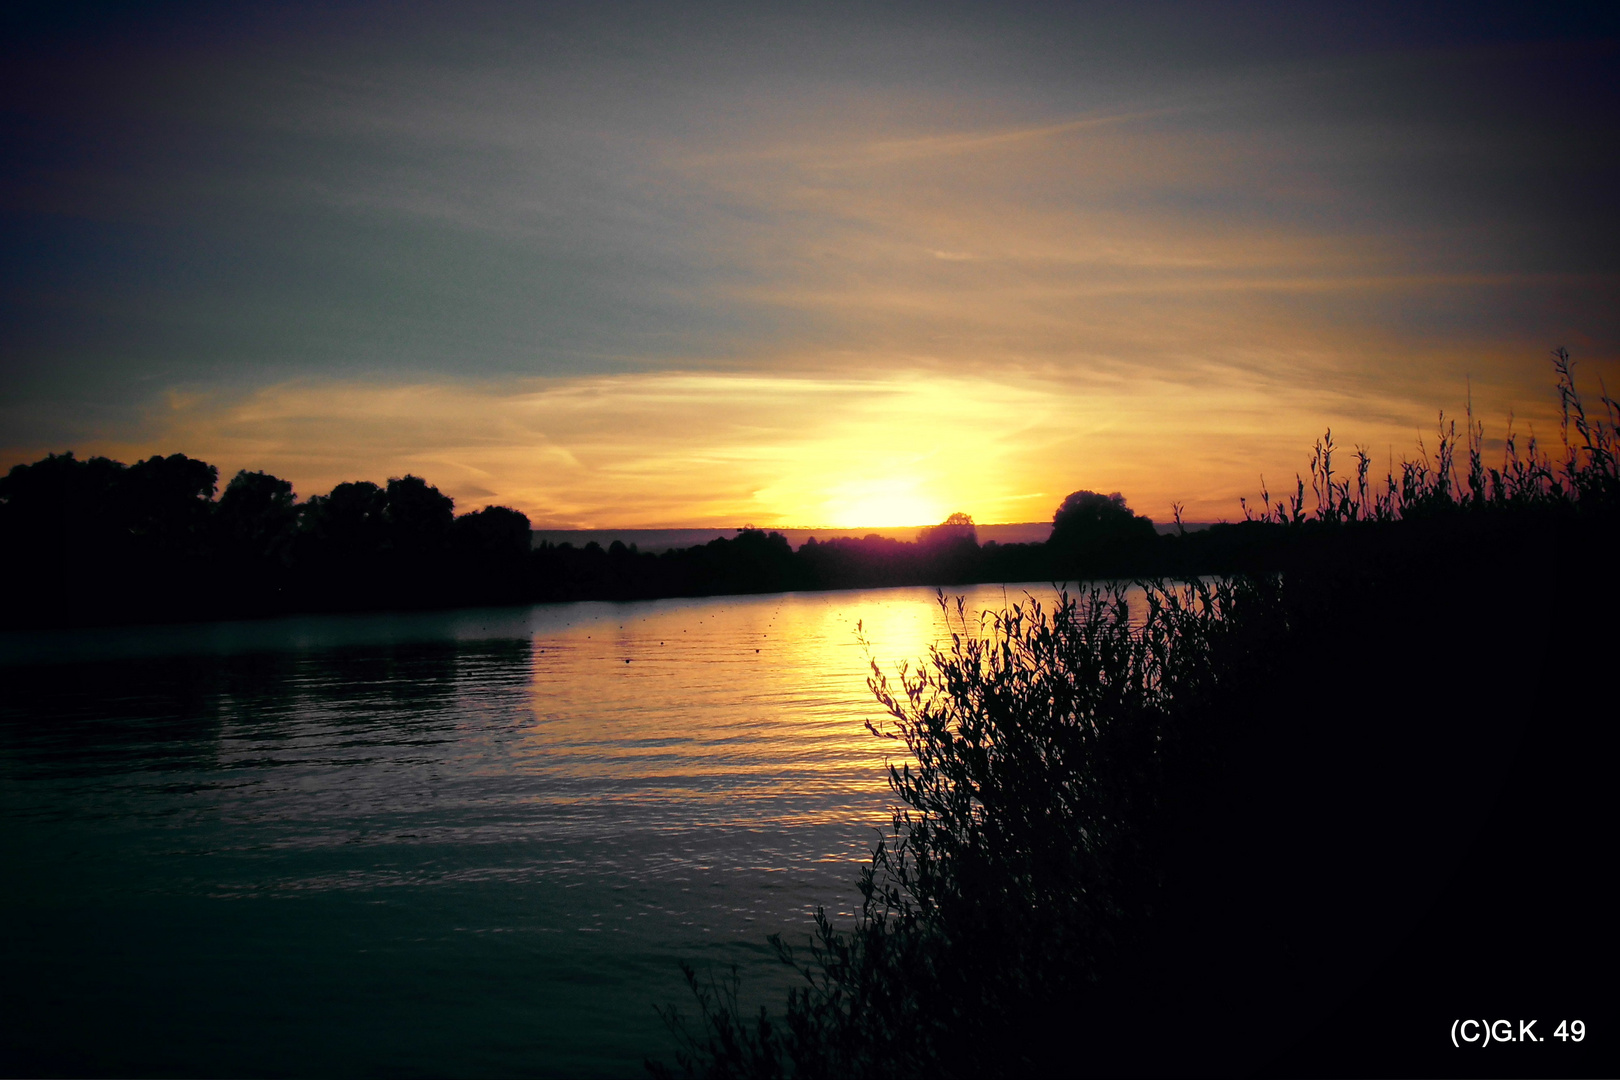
668	265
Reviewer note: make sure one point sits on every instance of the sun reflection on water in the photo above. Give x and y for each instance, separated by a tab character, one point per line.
549	806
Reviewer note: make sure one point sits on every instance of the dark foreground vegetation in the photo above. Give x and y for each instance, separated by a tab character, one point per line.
1295	823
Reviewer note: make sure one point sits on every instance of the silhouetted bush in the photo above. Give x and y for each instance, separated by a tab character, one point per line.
1274	822
1008	919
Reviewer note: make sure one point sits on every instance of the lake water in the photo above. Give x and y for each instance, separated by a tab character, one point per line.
474	843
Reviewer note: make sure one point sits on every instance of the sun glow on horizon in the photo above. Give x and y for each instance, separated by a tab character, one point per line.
888	502
836	451
702	270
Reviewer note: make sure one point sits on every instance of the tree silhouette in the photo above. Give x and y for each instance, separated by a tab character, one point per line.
419	517
347	523
957	528
493	533
1098	535
257	517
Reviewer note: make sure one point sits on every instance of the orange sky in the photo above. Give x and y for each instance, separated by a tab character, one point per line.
855	270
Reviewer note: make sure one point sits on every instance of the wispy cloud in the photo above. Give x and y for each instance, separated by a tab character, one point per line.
670	270
697	448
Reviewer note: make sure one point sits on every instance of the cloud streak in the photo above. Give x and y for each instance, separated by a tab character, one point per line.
643	254
702	449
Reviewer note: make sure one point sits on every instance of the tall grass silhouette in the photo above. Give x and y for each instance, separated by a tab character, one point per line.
1585	478
1122	838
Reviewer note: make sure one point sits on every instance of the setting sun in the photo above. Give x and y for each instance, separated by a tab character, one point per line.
522	518
881	503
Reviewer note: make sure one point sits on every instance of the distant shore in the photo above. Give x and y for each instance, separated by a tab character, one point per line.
660	540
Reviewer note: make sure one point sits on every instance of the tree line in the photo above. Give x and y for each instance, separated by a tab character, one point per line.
100	541
95	540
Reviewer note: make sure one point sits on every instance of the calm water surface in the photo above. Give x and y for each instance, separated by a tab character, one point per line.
471	843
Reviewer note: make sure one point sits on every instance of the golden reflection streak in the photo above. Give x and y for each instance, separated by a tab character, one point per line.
768	691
